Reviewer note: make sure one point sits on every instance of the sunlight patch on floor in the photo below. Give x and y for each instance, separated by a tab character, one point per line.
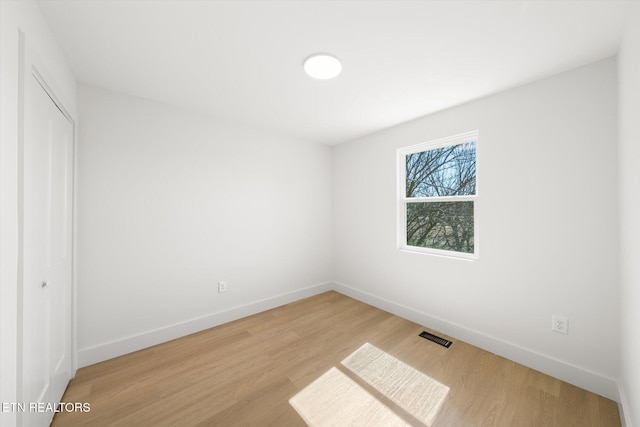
335	399
413	391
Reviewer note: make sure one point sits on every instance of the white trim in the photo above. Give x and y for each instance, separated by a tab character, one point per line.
402	200
440	199
565	371
461	138
583	378
623	403
102	352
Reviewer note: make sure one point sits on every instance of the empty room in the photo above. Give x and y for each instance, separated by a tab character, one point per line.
322	213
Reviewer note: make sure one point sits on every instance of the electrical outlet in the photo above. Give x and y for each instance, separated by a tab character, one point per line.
560	324
222	286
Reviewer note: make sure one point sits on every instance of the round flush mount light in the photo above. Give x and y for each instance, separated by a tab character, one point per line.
322	66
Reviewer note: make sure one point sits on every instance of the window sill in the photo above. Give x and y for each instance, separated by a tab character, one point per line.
438	253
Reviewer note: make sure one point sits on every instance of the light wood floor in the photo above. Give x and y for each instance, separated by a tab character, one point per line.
244	372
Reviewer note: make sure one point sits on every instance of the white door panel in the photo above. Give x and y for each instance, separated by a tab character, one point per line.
47	252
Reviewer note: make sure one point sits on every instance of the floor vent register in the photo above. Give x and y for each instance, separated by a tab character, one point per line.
436	339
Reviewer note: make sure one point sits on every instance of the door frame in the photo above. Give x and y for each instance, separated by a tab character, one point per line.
31	66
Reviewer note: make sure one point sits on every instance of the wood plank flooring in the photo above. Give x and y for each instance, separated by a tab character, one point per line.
244	372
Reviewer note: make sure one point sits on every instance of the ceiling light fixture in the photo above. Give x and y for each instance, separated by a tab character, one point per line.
322	66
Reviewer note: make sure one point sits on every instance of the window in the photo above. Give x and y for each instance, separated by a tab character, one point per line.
438	198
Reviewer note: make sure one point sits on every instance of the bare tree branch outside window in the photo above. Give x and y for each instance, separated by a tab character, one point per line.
441	172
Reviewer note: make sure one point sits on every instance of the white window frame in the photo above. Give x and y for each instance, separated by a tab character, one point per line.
403	200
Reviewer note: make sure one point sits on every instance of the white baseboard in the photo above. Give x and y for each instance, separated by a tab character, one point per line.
604	386
588	380
625	415
102	352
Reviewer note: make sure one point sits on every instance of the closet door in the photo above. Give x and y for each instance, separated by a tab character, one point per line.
47	190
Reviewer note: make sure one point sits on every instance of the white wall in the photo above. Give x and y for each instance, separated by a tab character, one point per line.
18	16
548	227
165	198
629	155
170	202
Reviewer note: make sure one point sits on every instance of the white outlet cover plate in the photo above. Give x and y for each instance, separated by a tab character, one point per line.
560	324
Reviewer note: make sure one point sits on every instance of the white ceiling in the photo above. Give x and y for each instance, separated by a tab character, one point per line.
242	60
